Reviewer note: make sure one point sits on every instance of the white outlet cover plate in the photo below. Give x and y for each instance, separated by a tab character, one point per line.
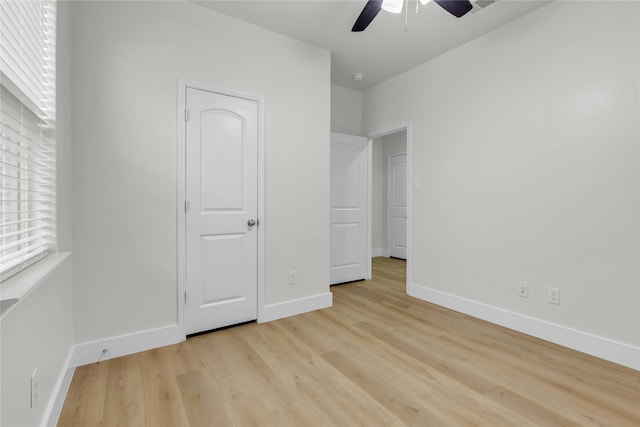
523	289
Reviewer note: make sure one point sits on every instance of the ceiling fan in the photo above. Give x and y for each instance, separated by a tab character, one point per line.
457	8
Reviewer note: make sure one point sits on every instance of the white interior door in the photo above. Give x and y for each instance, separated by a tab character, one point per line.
221	219
349	208
397	193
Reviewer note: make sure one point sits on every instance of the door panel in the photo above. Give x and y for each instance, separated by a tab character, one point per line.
221	160
398	206
221	189
223	269
345	247
349	208
346	169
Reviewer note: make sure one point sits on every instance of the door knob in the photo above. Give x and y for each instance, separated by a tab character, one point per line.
251	222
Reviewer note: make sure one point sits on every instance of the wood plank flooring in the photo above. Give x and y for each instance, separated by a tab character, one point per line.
376	358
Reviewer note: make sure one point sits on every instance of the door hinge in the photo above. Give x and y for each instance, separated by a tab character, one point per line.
185	297
186	115
186	206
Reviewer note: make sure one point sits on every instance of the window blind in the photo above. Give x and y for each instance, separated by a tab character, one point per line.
27	133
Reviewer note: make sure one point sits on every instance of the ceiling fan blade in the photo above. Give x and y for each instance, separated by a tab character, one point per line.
457	8
371	9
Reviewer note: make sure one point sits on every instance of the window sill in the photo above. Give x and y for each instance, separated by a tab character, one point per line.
22	284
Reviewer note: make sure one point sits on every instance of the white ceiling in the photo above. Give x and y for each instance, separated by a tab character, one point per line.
384	49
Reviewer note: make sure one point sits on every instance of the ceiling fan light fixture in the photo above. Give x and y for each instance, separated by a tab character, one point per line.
423	2
393	6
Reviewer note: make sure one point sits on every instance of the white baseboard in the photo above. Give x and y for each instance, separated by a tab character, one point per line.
123	345
594	345
294	307
90	352
378	252
60	389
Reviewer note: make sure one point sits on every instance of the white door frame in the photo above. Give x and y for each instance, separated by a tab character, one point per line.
183	85
379	134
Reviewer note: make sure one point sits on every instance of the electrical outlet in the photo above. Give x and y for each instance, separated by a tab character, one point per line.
553	295
293	277
523	289
35	388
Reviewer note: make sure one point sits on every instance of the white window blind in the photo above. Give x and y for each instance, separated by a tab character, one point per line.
27	133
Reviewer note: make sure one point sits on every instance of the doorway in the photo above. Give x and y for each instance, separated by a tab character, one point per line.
391	195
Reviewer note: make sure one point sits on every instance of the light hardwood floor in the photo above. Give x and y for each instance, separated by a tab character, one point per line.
376	358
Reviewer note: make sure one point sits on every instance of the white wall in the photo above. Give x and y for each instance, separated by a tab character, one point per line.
525	141
127	59
346	110
38	331
383	147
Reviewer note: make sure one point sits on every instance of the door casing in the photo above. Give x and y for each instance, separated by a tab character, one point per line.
183	84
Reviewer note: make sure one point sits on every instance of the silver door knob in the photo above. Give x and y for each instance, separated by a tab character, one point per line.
251	222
